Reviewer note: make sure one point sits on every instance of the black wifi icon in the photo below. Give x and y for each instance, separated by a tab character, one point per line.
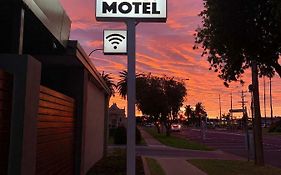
115	39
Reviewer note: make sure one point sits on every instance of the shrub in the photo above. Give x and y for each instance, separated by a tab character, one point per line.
112	132
275	127
120	136
138	136
278	129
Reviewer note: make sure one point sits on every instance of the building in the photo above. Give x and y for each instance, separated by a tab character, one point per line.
117	116
54	103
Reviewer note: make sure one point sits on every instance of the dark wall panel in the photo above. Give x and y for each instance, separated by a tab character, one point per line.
5	117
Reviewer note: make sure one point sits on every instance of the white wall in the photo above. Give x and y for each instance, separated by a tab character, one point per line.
94	127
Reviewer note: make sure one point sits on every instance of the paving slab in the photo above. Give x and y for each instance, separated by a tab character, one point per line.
149	140
176	166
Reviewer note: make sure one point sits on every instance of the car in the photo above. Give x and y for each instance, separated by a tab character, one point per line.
176	127
149	125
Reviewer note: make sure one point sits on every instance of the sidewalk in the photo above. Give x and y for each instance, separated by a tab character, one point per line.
178	165
149	140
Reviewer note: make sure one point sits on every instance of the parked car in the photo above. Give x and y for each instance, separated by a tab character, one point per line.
176	127
149	125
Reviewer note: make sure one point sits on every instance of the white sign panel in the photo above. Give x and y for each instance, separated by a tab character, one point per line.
115	41
141	10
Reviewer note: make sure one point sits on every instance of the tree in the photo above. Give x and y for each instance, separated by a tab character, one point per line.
175	92
150	98
200	112
238	34
226	117
109	82
158	97
122	84
188	112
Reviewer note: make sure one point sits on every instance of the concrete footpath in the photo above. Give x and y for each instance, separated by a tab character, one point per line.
177	165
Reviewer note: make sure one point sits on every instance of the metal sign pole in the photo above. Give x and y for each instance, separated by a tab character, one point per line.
131	85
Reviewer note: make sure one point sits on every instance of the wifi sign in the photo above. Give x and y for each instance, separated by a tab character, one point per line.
115	42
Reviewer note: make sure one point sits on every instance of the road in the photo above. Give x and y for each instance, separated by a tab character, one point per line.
234	143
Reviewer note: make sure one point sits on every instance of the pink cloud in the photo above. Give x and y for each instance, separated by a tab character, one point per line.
163	49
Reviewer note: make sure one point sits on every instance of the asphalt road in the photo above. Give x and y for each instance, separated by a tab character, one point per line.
234	143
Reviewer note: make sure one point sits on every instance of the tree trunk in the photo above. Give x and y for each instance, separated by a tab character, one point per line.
157	127
168	128
259	160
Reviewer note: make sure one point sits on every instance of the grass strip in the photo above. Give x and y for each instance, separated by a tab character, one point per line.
177	142
154	167
233	167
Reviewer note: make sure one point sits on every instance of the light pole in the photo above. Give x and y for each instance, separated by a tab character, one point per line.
93	51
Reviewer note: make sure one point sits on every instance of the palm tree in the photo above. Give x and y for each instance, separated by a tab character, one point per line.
109	82
199	111
122	84
188	111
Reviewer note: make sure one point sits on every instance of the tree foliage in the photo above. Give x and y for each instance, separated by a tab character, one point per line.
188	111
109	82
235	32
196	115
200	112
158	97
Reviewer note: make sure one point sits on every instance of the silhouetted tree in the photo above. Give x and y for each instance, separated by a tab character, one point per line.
200	112
188	112
122	84
109	82
158	97
237	34
226	117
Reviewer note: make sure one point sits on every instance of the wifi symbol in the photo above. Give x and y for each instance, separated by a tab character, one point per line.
115	39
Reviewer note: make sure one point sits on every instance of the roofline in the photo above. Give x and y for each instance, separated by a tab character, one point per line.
84	59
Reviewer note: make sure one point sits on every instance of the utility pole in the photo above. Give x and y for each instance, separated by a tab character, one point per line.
220	105
259	160
245	122
270	94
243	100
264	101
253	119
231	107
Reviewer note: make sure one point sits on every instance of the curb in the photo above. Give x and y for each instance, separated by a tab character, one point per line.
145	166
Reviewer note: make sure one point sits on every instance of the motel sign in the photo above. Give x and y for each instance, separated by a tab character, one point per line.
131	12
140	10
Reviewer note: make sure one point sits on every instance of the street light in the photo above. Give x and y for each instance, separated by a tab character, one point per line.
94	51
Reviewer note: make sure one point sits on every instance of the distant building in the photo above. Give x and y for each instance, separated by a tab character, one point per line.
117	116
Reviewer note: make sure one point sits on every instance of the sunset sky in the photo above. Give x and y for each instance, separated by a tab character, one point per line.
166	49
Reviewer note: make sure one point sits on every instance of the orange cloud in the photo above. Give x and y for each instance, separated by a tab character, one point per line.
166	49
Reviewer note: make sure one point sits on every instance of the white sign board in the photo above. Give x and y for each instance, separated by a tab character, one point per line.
115	41
140	10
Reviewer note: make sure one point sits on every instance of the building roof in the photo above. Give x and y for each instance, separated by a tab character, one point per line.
114	109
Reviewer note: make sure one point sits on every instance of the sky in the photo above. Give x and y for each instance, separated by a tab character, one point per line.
166	49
